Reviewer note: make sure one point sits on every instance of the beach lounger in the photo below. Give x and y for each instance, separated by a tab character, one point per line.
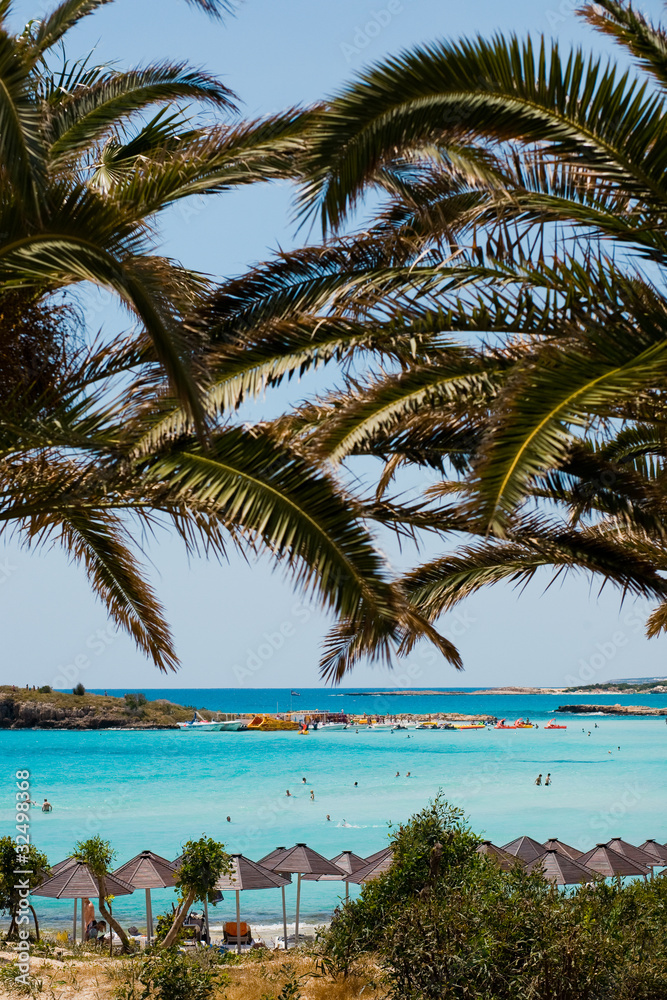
230	934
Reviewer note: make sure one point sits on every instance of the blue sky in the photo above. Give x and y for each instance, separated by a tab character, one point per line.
275	54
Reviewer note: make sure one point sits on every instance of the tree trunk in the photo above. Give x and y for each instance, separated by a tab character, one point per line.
181	914
110	919
34	917
13	927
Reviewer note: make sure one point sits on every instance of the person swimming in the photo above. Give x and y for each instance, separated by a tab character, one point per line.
547	780
312	795
538	779
328	818
288	794
398	774
47	807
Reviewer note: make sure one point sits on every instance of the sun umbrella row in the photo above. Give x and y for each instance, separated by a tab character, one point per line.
565	865
72	879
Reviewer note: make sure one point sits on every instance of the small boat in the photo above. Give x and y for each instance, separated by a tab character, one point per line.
466	725
200	725
552	725
331	727
502	725
523	724
428	725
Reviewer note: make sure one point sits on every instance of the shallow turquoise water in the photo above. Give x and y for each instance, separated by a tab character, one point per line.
153	790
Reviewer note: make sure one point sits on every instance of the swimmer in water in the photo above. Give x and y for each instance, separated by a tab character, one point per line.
288	794
398	774
328	818
312	795
538	779
356	784
47	807
229	819
304	780
547	780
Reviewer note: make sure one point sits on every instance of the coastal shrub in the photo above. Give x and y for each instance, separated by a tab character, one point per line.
30	861
202	864
45	689
98	854
79	689
172	975
135	702
450	925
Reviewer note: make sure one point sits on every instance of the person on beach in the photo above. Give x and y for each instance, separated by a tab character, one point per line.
92	931
88	911
46	806
538	779
547	780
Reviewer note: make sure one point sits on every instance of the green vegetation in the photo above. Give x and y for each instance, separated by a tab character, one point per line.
99	855
647	687
202	863
34	708
446	924
79	690
33	865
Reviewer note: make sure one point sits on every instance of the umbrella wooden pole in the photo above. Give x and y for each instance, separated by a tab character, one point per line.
347	891
284	917
83	922
74	924
238	922
149	917
298	900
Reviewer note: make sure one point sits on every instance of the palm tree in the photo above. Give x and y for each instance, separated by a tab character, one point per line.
95	436
502	319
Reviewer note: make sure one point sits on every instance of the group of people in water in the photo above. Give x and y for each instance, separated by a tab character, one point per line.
547	780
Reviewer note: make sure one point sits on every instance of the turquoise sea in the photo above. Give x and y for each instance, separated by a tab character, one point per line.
154	790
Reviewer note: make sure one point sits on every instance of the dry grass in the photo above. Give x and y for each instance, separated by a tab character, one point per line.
262	977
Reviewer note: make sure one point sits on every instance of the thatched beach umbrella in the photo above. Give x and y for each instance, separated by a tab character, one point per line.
604	860
503	859
373	870
524	848
302	860
656	850
267	862
76	881
559	869
148	871
247	874
635	854
348	863
379	855
557	845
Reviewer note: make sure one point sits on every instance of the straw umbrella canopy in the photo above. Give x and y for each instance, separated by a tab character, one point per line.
148	871
524	848
379	855
347	862
554	844
635	854
503	859
656	850
76	881
559	869
608	862
373	870
268	862
247	874
302	860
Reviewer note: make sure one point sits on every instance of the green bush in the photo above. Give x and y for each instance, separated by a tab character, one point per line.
45	689
174	976
79	689
134	702
447	924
